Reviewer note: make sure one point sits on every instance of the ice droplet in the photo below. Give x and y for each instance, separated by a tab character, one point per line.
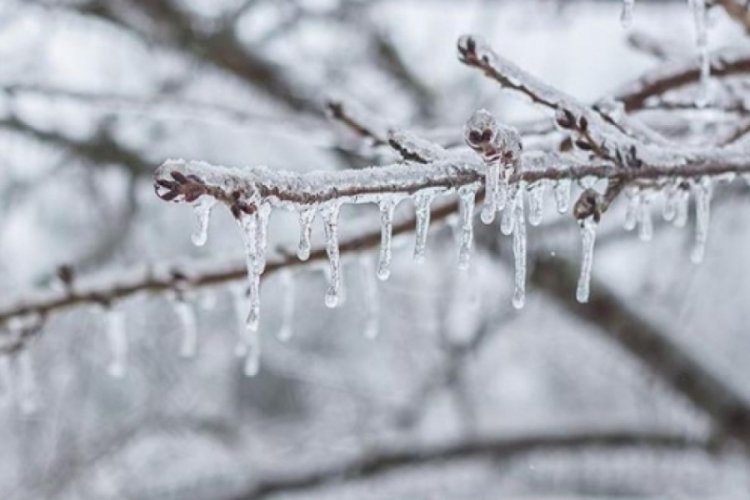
189	324
306	217
372	301
536	204
466	196
387	207
422	202
588	239
118	343
519	249
702	190
562	195
330	216
202	209
287	312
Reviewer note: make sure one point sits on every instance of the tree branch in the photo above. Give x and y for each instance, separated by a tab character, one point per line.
385	461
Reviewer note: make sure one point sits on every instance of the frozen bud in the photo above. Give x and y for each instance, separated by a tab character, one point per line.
491	140
588	205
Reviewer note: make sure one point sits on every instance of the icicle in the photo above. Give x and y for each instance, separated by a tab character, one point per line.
519	249
387	207
536	204
202	209
287	312
588	238
562	195
186	315
669	209
698	8
28	391
249	231
372	301
506	222
632	211
466	196
306	217
683	203
422	203
491	182
261	237
626	16
331	220
702	218
645	224
118	342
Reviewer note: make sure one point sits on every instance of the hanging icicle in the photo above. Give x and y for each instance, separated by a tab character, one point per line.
700	17
422	201
507	220
189	326
519	248
632	210
287	311
330	216
387	206
562	195
202	209
466	196
683	203
536	204
588	239
249	232
671	196
702	191
306	217
118	342
261	236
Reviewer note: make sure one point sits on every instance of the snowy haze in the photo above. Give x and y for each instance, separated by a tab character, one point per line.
419	367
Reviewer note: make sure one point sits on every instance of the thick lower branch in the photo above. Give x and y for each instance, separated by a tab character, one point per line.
480	448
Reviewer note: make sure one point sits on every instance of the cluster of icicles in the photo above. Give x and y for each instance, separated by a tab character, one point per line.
700	22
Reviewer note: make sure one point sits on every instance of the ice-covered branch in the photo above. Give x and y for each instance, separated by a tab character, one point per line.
384	461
